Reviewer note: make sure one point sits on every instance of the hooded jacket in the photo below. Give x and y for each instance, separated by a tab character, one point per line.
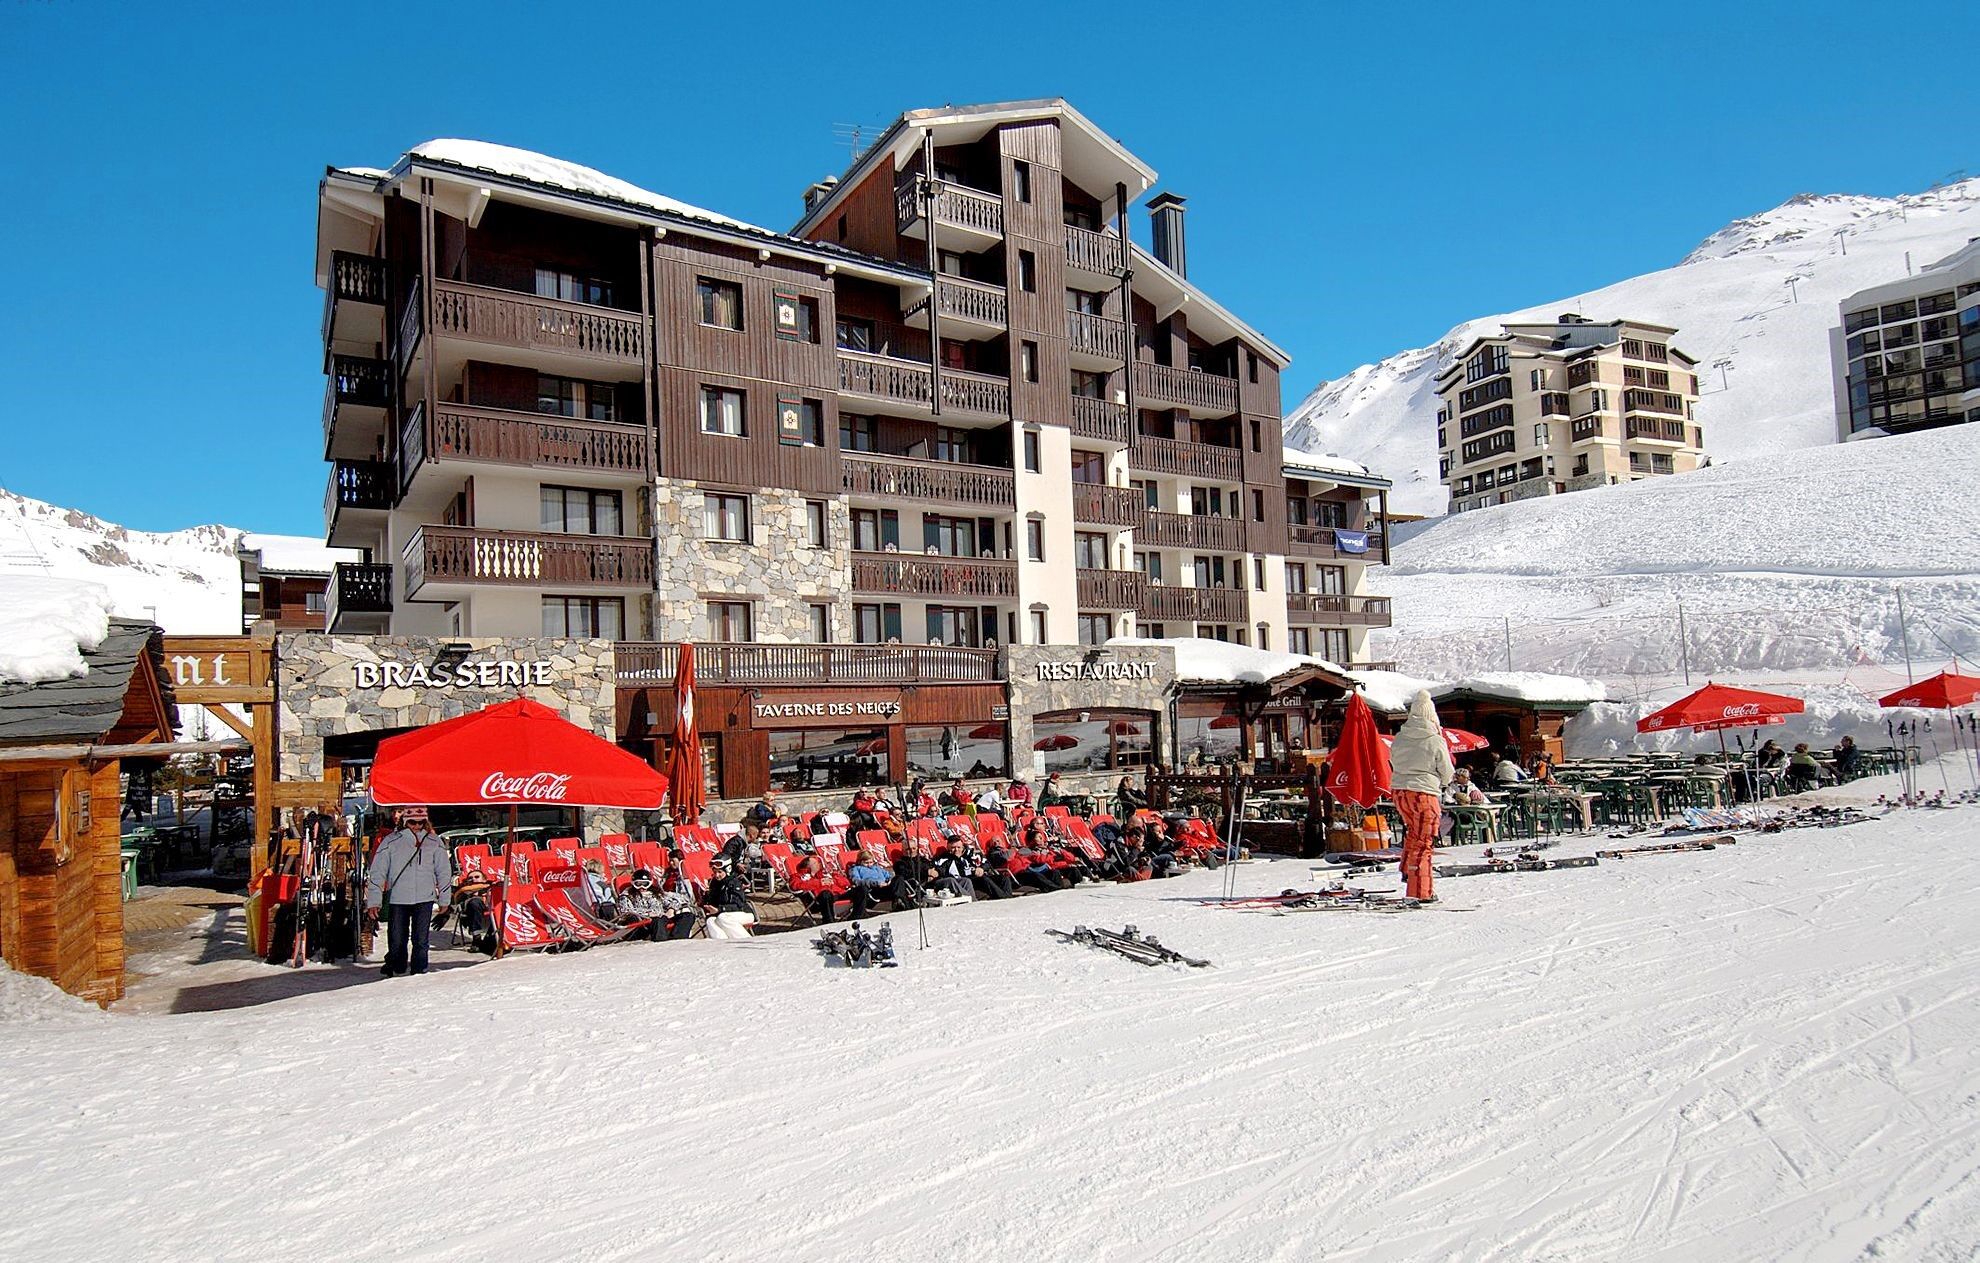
410	867
1419	759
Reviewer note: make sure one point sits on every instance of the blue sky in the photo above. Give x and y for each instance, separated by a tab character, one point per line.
1360	177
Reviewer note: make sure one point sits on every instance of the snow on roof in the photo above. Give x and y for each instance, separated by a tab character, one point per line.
536	168
1331	463
47	624
1528	686
1387	690
1220	662
297	554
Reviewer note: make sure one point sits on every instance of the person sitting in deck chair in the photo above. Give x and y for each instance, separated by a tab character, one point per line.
1034	855
818	887
1130	863
726	904
990	871
598	892
872	880
956	871
1160	849
641	902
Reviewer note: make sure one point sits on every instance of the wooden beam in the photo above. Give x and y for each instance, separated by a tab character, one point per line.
71	753
216	694
305	793
232	720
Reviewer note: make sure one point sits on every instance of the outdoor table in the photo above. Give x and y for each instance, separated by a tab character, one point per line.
1489	810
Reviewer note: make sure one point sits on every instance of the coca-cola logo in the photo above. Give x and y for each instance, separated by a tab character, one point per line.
536	787
1909	701
1745	710
561	875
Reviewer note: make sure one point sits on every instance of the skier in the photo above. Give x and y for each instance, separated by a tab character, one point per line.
1419	769
409	873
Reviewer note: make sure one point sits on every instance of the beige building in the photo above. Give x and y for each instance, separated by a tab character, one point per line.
1543	409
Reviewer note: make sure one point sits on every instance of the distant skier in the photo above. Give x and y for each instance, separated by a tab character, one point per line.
410	872
1419	769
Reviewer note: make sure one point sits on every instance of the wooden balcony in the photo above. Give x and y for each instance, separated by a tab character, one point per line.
501	317
354	403
1203	394
911	383
360	594
1101	420
973	301
1111	589
354	301
497	436
1190	530
358	484
652	663
1095	253
1200	605
976	212
1190	460
534	559
1095	504
1654	429
1319	541
934	481
1582	429
921	574
1329	610
1099	336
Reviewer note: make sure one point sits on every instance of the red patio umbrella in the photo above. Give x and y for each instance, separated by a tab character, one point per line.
986	732
518	752
1944	691
1057	741
1719	706
1459	741
684	762
1122	728
1224	721
1358	767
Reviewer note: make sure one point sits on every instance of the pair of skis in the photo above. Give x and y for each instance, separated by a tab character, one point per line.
854	948
1143	949
1524	864
1667	848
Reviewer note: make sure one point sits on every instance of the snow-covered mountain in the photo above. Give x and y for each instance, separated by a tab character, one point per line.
1728	299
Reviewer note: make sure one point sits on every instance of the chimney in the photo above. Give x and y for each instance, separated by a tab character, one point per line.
1165	213
819	192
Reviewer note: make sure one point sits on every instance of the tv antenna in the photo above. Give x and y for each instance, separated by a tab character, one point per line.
853	136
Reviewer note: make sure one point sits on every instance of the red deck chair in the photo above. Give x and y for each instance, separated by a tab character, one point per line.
781	857
991	829
564	844
830	847
927	830
873	840
587	854
963	825
1058	811
1079	836
519	863
694	867
519	922
650	856
618	851
476	862
1102	817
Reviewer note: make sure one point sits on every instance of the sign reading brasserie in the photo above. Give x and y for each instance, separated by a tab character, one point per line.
1096	670
464	675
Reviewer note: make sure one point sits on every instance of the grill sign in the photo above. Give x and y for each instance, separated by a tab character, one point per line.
537	787
466	675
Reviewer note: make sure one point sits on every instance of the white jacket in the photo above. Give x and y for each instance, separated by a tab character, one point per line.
1419	759
418	868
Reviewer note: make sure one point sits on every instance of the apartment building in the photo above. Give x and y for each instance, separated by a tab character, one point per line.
1337	525
1906	355
1548	408
955	403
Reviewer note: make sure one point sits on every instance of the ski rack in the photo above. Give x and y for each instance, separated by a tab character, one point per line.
1143	949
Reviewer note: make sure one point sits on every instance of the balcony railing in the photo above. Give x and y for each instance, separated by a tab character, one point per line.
1319	541
467	554
356	278
908	382
1103	336
1203	393
1189	530
358	484
1102	420
1588	428
1661	429
1191	460
973	300
482	314
1333	610
921	574
357	587
497	436
954	204
1097	505
943	482
1097	252
412	318
653	663
1111	589
1203	605
360	380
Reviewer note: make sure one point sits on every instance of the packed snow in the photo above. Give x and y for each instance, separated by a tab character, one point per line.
46	625
1770	1050
1728	300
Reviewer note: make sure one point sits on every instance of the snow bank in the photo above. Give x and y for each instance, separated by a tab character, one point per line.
1328	463
536	168
25	998
46	625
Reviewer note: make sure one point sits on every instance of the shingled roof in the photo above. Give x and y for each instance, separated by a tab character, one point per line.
87	707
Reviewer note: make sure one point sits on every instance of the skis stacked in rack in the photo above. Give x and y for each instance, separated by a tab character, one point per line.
1667	848
854	948
1143	949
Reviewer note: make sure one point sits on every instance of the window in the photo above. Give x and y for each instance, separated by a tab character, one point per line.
1295	577
1209	572
1095	629
959	626
1089	467
1258	573
1090	550
584	616
1082	302
1540	435
722	411
876	530
1257	505
827	758
821	623
725	517
1150	491
1031	457
1581	465
721	303
1264	636
876	624
1333	645
1299	640
316	602
579	511
1094	385
571	288
797	317
1257	436
950	536
1251	366
1038	627
816	530
954	445
855	334
1333	580
1028	360
1149	564
1020	180
857	433
1034	538
569	397
729	622
1535	379
950	750
810	421
1027	271
1094	740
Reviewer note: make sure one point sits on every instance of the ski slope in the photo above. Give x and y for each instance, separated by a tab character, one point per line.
1729	299
1768	1051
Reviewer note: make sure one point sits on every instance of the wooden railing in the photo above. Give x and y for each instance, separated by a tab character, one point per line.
497	436
356	278
1663	429
1337	611
1189	530
973	300
944	482
1182	388
358	484
357	587
976	393
651	663
524	320
412	318
466	554
1207	605
412	445
1653	401
1320	540
954	204
1097	335
1192	460
1111	589
1102	420
1590	427
1096	252
922	574
1100	505
360	380
908	382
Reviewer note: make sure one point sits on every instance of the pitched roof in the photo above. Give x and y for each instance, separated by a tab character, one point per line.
84	707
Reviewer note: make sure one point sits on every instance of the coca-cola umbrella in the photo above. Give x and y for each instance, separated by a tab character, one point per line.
1947	691
689	794
1358	766
1057	741
986	732
1717	707
1456	739
514	753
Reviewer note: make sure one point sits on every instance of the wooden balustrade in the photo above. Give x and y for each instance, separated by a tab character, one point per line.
1099	253
1099	505
972	300
357	484
1102	336
954	204
1191	460
1111	589
908	382
360	380
1102	420
412	321
1190	530
944	482
1205	394
357	587
483	314
1205	605
1335	610
356	278
979	394
653	663
1319	541
468	554
1588	427
923	574
1662	429
497	436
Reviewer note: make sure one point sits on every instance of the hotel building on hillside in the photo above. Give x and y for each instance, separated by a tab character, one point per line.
1543	409
1907	353
952	414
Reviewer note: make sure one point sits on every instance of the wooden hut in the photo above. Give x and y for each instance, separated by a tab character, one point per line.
61	747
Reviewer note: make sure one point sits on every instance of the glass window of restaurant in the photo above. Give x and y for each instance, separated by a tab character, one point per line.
1094	740
1207	738
946	751
827	758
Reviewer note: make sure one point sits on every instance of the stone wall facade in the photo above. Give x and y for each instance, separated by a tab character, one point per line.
778	571
1034	690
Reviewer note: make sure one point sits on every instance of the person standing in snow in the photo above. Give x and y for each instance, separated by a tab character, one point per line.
1419	769
411	871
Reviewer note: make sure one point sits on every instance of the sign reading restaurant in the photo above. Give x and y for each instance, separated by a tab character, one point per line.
465	675
1083	670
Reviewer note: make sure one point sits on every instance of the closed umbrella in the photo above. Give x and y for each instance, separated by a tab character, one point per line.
1358	767
684	764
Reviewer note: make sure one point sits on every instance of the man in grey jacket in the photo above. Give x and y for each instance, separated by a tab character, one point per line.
410	871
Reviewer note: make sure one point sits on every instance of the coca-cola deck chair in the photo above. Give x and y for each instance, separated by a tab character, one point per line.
618	852
476	862
519	864
519	923
1078	835
565	901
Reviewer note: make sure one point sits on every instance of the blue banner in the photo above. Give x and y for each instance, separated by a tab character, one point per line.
1350	541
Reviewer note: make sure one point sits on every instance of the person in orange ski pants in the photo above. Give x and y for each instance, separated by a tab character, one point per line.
1419	768
1421	813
